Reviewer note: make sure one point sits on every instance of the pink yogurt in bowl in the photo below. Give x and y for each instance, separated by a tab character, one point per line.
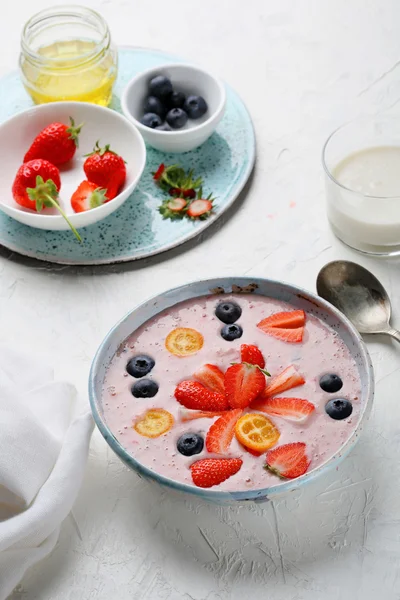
330	344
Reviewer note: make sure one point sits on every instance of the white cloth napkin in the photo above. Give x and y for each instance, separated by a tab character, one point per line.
43	453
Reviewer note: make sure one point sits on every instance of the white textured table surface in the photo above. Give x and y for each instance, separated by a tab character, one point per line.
303	68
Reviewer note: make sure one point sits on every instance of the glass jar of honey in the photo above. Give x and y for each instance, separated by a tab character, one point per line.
66	54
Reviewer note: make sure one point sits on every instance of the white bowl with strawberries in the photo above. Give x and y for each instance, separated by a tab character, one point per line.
68	165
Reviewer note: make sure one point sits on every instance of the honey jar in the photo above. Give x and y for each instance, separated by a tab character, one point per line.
67	54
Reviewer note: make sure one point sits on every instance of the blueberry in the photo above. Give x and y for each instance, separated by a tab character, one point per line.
155	106
231	332
195	106
176	118
164	127
151	120
339	408
160	86
145	388
331	383
228	312
190	443
176	100
140	365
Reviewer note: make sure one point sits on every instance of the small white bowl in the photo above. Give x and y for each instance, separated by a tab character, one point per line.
101	124
187	79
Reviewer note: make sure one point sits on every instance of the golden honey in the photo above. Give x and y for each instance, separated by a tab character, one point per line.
67	55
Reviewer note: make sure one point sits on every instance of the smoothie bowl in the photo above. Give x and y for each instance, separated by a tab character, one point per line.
232	389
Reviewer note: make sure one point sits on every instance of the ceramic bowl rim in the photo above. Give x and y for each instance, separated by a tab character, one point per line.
251	494
175	132
53	219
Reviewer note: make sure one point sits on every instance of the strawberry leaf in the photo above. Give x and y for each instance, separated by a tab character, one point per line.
178	183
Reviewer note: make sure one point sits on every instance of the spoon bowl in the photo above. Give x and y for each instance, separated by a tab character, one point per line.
359	295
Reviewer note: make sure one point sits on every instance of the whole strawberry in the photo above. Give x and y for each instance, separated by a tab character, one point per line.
36	185
57	143
106	169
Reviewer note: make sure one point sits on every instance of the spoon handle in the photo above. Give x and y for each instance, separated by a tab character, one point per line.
394	334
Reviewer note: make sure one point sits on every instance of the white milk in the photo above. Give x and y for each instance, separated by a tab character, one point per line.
364	210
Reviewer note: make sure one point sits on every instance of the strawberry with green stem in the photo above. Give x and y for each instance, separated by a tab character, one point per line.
201	208
186	191
87	196
176	182
173	208
56	143
177	208
36	186
106	169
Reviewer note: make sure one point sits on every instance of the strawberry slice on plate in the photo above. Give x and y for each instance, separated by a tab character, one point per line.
252	355
194	395
212	471
292	409
286	380
220	434
288	461
212	377
243	383
191	415
177	204
199	208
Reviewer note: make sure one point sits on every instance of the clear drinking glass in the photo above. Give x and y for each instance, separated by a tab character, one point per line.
362	174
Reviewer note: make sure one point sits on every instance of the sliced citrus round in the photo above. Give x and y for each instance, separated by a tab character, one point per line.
184	341
256	432
154	423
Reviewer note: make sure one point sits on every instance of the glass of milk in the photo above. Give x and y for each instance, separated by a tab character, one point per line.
362	171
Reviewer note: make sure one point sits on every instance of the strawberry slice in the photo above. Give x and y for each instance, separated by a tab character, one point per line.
289	461
212	377
159	172
292	409
87	196
253	452
243	383
191	415
293	336
194	395
288	379
284	320
177	204
285	326
220	434
252	355
213	471
198	208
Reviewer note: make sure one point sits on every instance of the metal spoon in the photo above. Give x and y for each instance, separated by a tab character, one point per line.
359	295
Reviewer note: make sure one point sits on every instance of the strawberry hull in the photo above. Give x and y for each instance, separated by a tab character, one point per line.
321	351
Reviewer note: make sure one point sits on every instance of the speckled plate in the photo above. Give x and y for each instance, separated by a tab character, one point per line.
137	230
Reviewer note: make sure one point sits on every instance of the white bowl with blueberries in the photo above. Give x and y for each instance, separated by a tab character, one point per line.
175	107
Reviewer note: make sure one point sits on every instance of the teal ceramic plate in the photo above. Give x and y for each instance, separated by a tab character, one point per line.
137	230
